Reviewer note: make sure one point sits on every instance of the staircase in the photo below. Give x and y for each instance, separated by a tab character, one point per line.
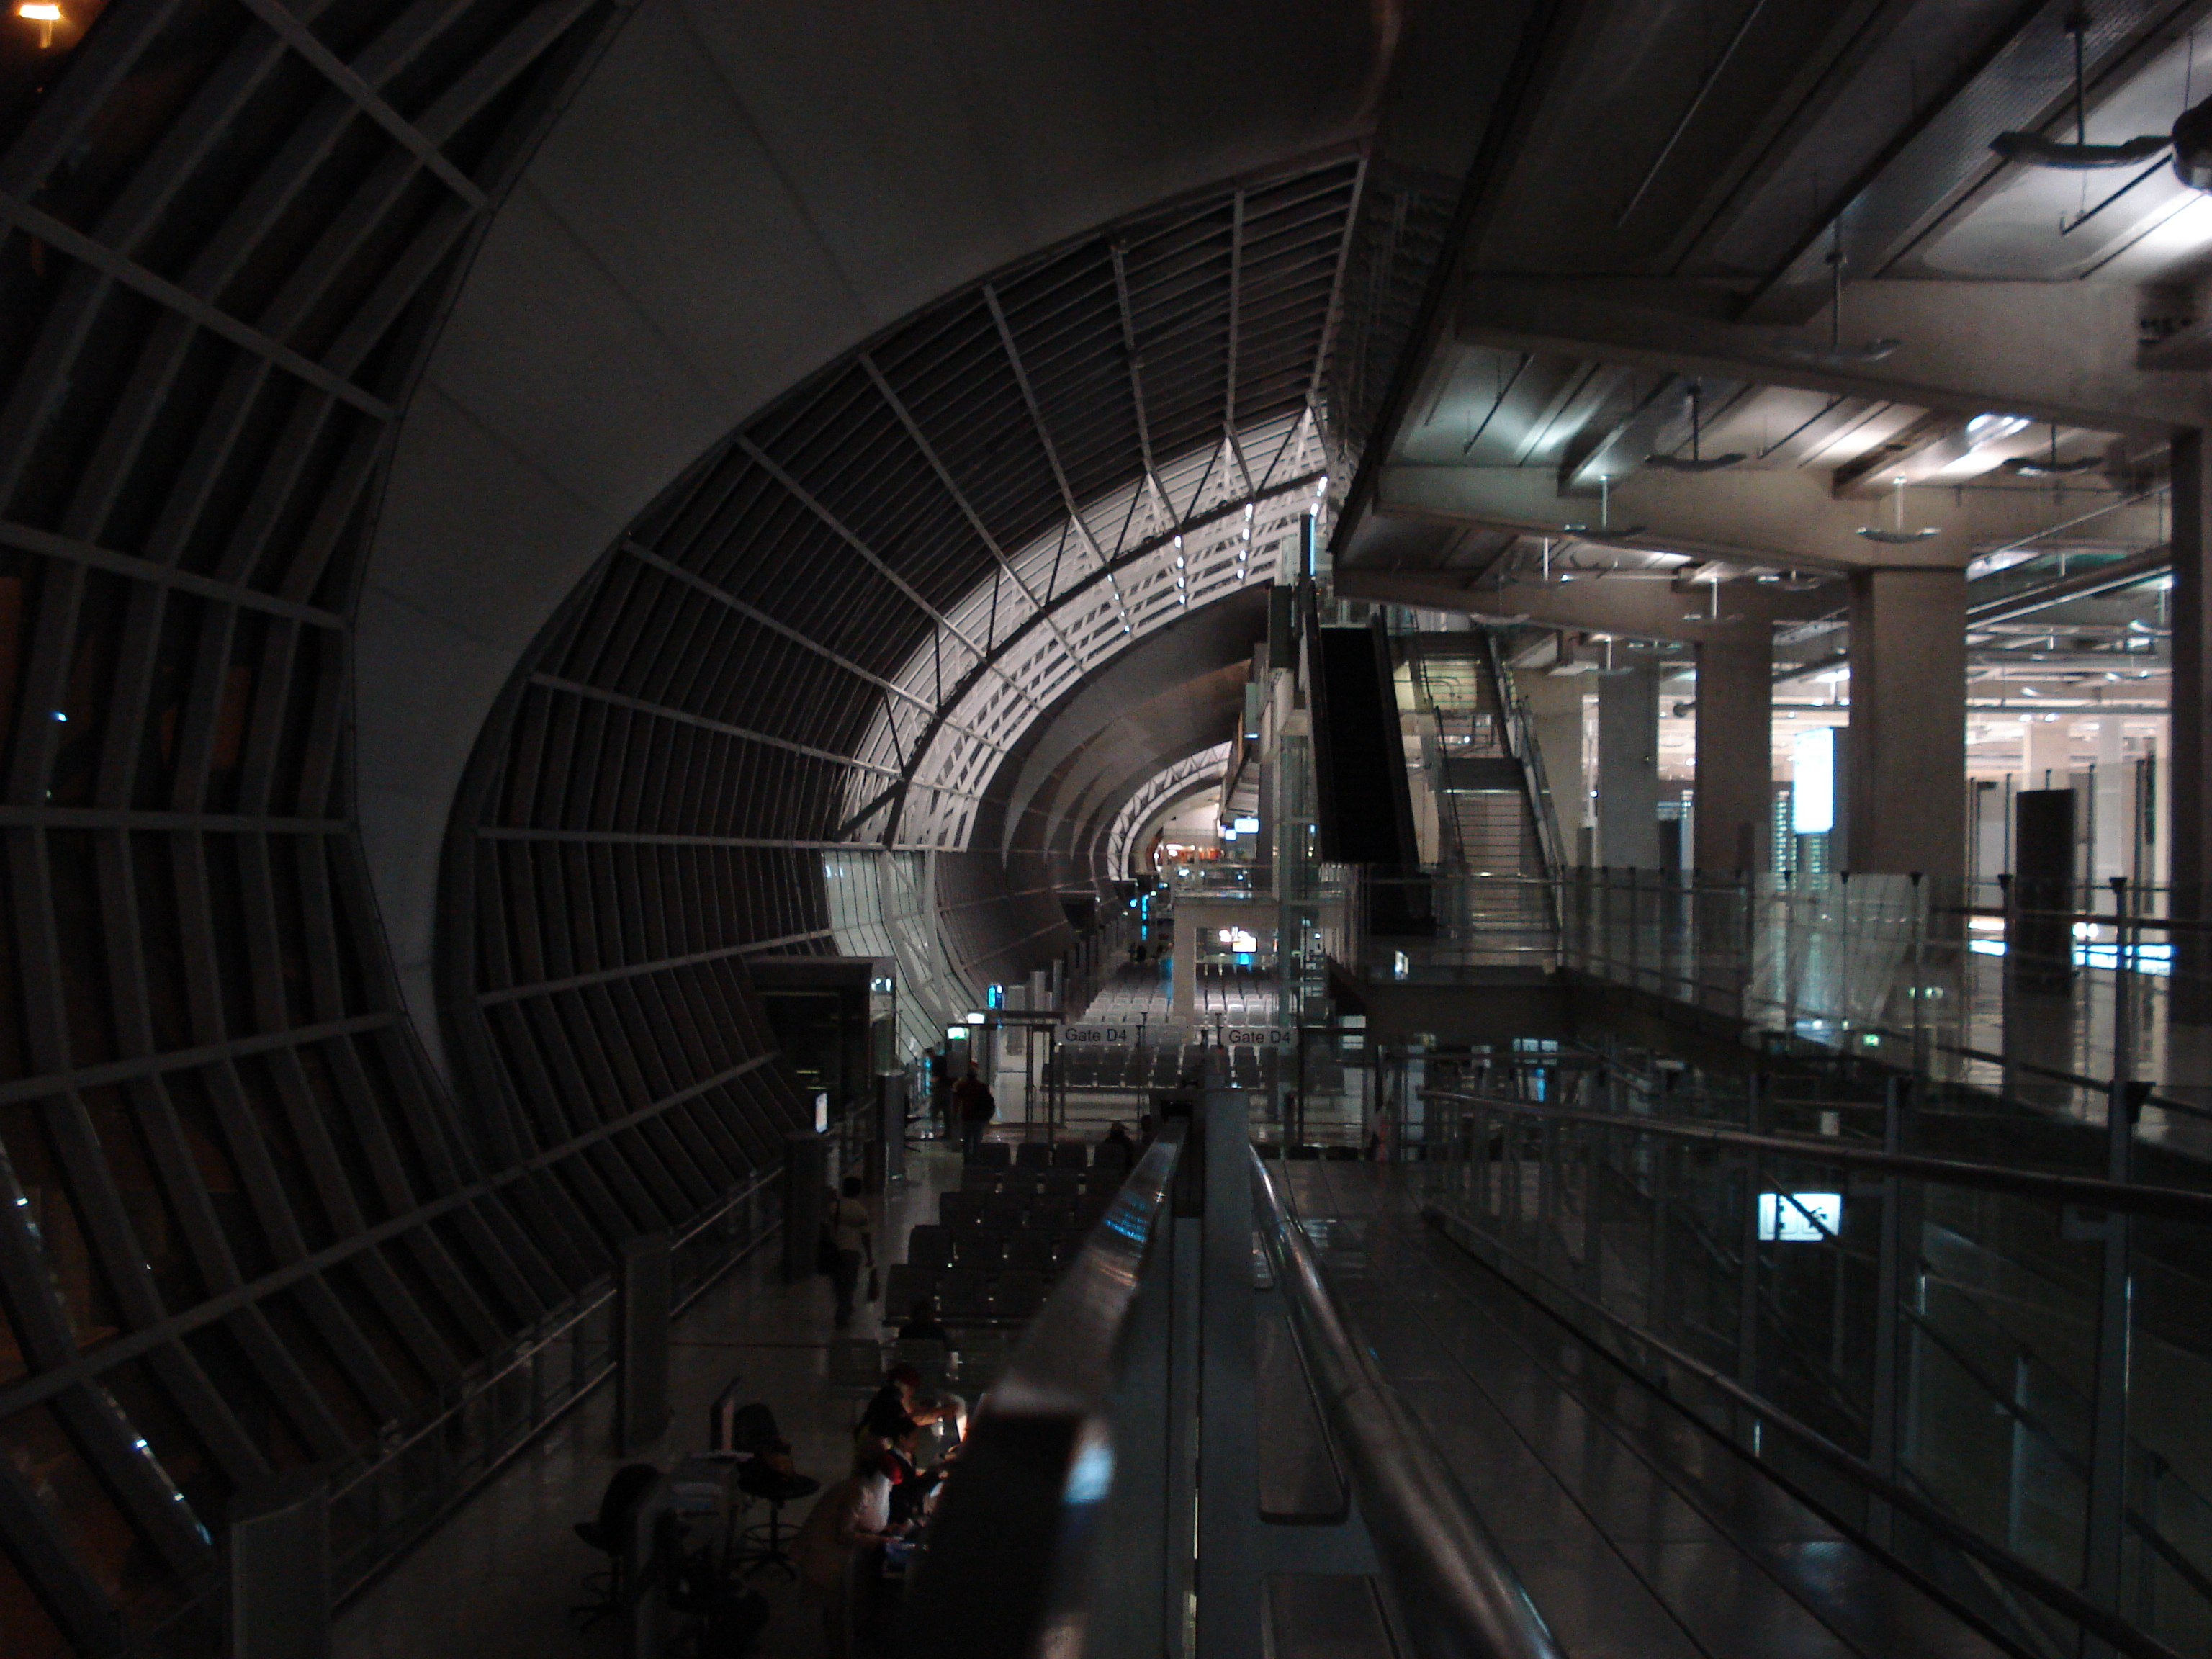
1488	827
1492	808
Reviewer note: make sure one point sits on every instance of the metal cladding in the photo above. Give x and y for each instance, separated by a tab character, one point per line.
817	659
245	1225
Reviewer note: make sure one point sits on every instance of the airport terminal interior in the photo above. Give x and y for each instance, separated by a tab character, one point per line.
1337	828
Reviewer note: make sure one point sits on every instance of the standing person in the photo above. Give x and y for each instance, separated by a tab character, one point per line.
850	1240
973	1105
853	1514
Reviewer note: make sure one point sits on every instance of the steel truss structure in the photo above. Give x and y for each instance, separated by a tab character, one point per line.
245	1226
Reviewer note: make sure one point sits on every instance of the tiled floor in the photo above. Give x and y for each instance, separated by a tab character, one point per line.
499	1577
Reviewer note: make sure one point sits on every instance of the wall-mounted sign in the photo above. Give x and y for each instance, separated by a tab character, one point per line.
1800	1218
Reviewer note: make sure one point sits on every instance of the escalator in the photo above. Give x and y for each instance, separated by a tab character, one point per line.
1366	807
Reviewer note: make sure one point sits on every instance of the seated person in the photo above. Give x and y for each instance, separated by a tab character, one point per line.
948	1423
921	1324
896	1411
910	1485
1116	1151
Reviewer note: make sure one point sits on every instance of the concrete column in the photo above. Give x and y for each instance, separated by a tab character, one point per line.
1735	748
2047	755
1555	709
1628	766
2110	854
1908	749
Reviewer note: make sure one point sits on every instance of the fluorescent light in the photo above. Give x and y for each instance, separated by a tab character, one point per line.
1812	786
1993	429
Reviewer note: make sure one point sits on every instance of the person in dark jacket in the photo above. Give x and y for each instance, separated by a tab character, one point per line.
972	1108
1116	1152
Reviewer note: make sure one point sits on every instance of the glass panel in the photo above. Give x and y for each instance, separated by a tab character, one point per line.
1948	1337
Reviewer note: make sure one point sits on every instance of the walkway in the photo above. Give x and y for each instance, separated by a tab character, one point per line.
1635	1530
500	1575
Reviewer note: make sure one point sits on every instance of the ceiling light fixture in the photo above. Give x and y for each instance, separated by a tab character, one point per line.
1696	463
1899	536
46	15
1605	525
2034	150
1993	429
1835	352
2027	466
2049	465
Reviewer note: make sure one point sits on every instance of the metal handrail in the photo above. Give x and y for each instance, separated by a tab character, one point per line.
1452	1585
1519	733
1009	1545
2168	1203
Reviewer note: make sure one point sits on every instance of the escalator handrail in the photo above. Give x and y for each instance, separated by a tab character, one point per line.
1452	1584
2166	1203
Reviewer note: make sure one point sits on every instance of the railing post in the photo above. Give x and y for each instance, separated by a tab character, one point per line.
2016	1482
1896	1261
2108	1507
1789	958
1747	1311
1547	1190
1229	1602
1635	932
1595	1140
1917	990
1745	974
1605	918
1479	1190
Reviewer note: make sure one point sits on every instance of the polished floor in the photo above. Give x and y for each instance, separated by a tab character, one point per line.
1637	1531
499	1577
1637	1534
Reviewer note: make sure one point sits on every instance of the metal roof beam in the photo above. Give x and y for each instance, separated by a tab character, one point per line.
2063	352
1785	520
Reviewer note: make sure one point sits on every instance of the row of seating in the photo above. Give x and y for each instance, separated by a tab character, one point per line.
1142	988
990	1250
1101	1183
1036	1157
1050	1212
1116	1066
967	1296
857	1364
